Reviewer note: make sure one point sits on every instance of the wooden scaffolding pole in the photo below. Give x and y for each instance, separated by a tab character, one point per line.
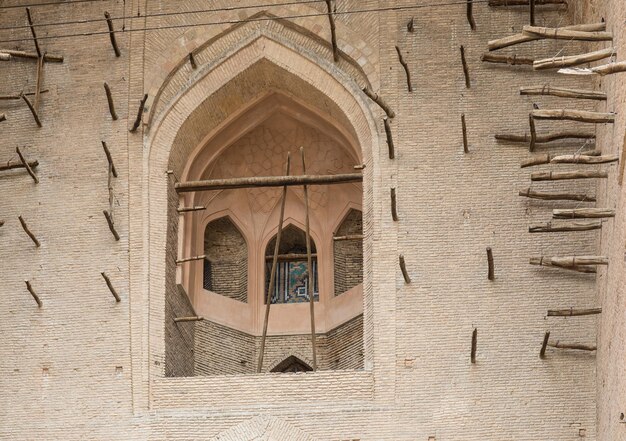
573	312
556	196
582	213
523	38
266	181
577	174
268	299
565	226
567	159
32	292
542	139
309	261
563	92
333	31
567	34
572	60
574	115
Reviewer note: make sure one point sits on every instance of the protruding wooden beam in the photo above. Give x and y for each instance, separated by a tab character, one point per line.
470	14
465	68
569	261
4	57
533	194
410	26
27	231
107	90
394	209
512	40
567	34
110	285
333	31
579	269
576	346
568	159
107	16
13	165
190	209
574	115
109	219
565	226
491	274
266	181
544	345
32	292
572	60
107	152
582	213
192	61
38	83
406	69
533	133
464	129
542	139
474	344
188	319
32	31
33	56
32	110
139	114
378	100
532	12
499	3
563	92
513	60
389	135
190	259
348	237
577	174
405	273
573	312
27	166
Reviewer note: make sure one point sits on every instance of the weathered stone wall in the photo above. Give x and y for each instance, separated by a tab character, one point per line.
84	367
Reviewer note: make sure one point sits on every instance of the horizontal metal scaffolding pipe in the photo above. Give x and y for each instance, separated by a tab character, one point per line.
267	181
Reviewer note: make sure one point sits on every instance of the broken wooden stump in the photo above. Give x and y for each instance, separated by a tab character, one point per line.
389	138
27	231
464	129
378	100
410	26
470	14
565	227
32	292
546	337
116	49
563	92
109	219
512	60
394	210
190	259
533	194
568	159
110	285
578	174
567	34
491	271
406	69
107	152
107	90
512	40
574	115
465	68
405	273
190	209
32	110
572	60
582	213
139	114
333	31
474	344
188	319
192	61
573	312
26	165
533	134
543	139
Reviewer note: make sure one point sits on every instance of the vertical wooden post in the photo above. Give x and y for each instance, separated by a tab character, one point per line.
32	31
532	12
139	113
491	273
464	127
107	90
268	299
474	342
192	60
394	208
546	337
470	15
405	273
392	153
311	283
406	69
39	81
333	34
465	68
533	133
32	292
112	34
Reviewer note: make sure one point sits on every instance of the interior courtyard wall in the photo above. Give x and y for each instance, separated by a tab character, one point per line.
82	368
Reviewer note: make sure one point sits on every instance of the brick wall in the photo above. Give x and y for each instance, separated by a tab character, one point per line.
348	265
180	337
